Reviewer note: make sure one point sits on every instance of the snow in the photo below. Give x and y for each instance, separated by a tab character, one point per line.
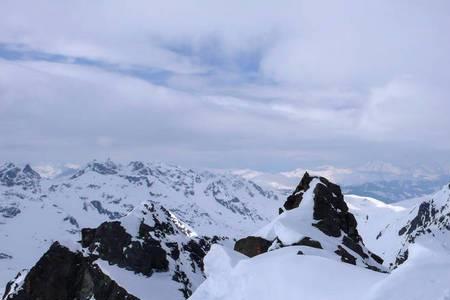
282	274
16	284
286	226
200	202
158	286
373	216
425	275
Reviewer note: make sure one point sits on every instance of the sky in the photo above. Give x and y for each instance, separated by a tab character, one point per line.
266	85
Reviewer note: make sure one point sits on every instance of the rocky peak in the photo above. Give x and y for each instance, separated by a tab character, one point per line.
329	210
64	275
136	165
148	242
431	217
315	217
27	170
12	175
107	167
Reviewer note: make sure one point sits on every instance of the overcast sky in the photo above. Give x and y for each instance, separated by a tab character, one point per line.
268	85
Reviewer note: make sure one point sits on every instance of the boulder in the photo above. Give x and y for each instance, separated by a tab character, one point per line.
252	246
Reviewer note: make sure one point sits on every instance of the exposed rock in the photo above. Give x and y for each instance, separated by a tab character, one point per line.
65	275
252	246
331	216
430	218
109	240
26	178
293	201
306	241
149	240
5	256
9	212
345	255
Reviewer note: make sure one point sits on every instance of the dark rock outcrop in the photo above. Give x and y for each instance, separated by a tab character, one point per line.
252	246
306	241
431	217
112	243
65	275
293	201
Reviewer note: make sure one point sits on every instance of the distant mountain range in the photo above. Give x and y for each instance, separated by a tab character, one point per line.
379	180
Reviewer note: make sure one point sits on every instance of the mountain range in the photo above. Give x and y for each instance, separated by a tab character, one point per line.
380	180
157	231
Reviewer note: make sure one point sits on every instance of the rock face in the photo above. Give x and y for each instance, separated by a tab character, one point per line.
65	275
330	209
110	239
430	218
252	246
26	178
316	218
150	240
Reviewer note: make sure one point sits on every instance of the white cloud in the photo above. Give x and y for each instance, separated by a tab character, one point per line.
268	84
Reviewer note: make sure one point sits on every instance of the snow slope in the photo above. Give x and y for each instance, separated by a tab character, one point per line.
282	274
389	229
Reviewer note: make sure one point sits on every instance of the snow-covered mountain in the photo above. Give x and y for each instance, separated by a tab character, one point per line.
147	254
36	211
412	236
141	231
393	229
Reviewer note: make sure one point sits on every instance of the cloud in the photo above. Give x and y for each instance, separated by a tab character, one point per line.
231	84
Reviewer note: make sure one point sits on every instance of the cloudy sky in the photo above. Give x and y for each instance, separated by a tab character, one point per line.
269	85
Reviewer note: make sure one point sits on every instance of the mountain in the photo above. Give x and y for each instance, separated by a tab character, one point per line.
142	230
37	211
426	222
315	219
398	190
148	254
411	236
380	180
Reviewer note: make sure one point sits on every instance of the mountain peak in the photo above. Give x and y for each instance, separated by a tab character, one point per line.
107	167
31	172
12	175
315	218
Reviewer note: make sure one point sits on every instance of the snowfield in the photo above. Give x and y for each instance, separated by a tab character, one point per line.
282	274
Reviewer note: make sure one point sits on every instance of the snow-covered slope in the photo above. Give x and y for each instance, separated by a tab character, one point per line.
36	211
282	274
148	254
374	216
413	235
389	229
